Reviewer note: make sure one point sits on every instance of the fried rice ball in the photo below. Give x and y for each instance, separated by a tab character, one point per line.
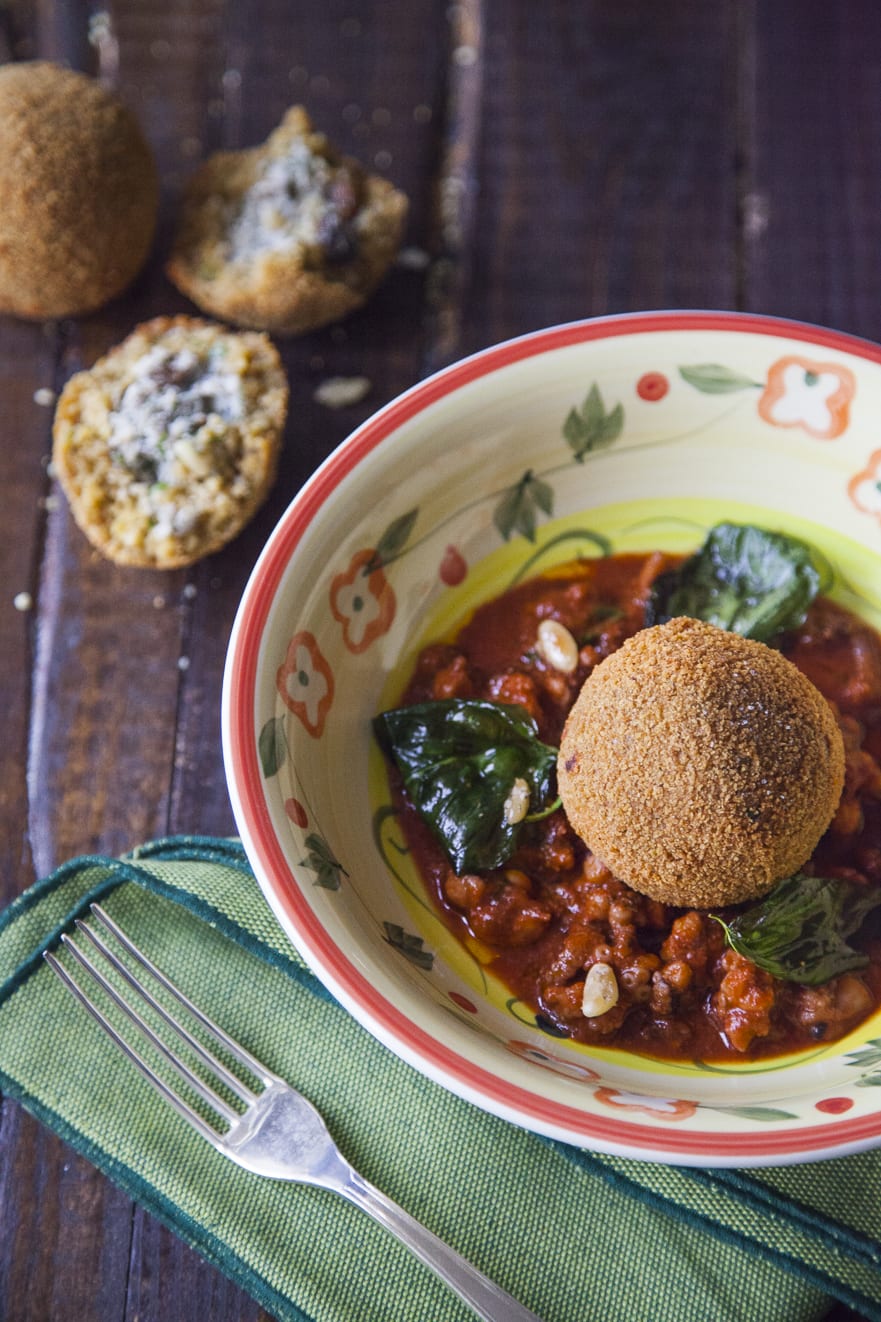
80	193
169	444
287	236
699	766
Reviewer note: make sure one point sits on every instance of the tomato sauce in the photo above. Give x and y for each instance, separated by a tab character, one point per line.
554	909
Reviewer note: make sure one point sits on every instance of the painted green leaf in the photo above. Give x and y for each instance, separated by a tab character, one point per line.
320	860
272	746
517	511
760	1113
869	1081
393	540
869	1055
714	379
410	946
590	427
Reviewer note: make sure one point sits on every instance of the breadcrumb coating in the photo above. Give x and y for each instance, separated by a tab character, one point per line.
80	193
699	766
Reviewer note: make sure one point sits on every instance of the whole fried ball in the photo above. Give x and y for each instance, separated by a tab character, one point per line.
699	766
80	193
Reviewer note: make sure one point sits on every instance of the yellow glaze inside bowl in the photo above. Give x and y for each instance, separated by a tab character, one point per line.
851	576
623	434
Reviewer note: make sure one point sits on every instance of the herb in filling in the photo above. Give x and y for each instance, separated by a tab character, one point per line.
176	422
301	199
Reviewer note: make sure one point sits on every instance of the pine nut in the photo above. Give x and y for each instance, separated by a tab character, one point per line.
600	991
517	803
556	645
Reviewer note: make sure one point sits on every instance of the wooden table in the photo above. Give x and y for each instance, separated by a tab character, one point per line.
563	160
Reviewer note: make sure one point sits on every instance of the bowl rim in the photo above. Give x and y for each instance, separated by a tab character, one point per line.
615	1135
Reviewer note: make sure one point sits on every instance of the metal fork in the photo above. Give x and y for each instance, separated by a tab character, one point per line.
278	1133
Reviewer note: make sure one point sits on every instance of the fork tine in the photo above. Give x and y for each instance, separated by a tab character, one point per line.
235	1049
216	1103
134	1056
207	1057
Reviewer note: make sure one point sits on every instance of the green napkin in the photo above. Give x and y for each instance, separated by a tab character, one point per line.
576	1236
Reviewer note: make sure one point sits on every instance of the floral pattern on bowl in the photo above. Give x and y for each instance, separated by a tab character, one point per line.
664	425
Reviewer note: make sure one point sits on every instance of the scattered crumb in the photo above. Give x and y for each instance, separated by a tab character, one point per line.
158	603
99	27
183	663
383	159
22	601
381	117
422	114
44	397
189	591
50	503
413	259
465	56
338	392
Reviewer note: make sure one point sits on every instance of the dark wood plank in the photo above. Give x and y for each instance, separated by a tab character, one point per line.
605	165
105	645
813	167
811	173
374	84
561	161
26	366
78	1213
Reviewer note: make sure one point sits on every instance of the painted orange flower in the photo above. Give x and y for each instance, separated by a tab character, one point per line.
362	600
305	682
662	1108
864	488
813	396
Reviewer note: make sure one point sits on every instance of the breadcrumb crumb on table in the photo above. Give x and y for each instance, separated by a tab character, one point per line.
700	766
339	392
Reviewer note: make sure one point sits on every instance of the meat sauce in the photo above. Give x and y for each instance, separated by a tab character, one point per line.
554	910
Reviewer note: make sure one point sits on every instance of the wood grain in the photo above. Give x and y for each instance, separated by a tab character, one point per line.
561	161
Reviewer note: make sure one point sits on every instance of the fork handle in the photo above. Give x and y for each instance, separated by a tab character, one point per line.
488	1300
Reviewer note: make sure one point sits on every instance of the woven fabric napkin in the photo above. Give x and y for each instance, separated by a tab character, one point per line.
575	1235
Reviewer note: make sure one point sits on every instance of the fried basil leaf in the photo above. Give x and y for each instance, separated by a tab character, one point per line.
459	760
799	931
743	579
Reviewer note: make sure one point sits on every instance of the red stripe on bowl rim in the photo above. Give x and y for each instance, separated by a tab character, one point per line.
377	1014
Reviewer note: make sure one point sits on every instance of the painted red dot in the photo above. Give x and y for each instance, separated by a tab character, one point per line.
452	567
463	1002
834	1105
296	812
652	386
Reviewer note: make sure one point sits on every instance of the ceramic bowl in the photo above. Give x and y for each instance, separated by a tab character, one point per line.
473	478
